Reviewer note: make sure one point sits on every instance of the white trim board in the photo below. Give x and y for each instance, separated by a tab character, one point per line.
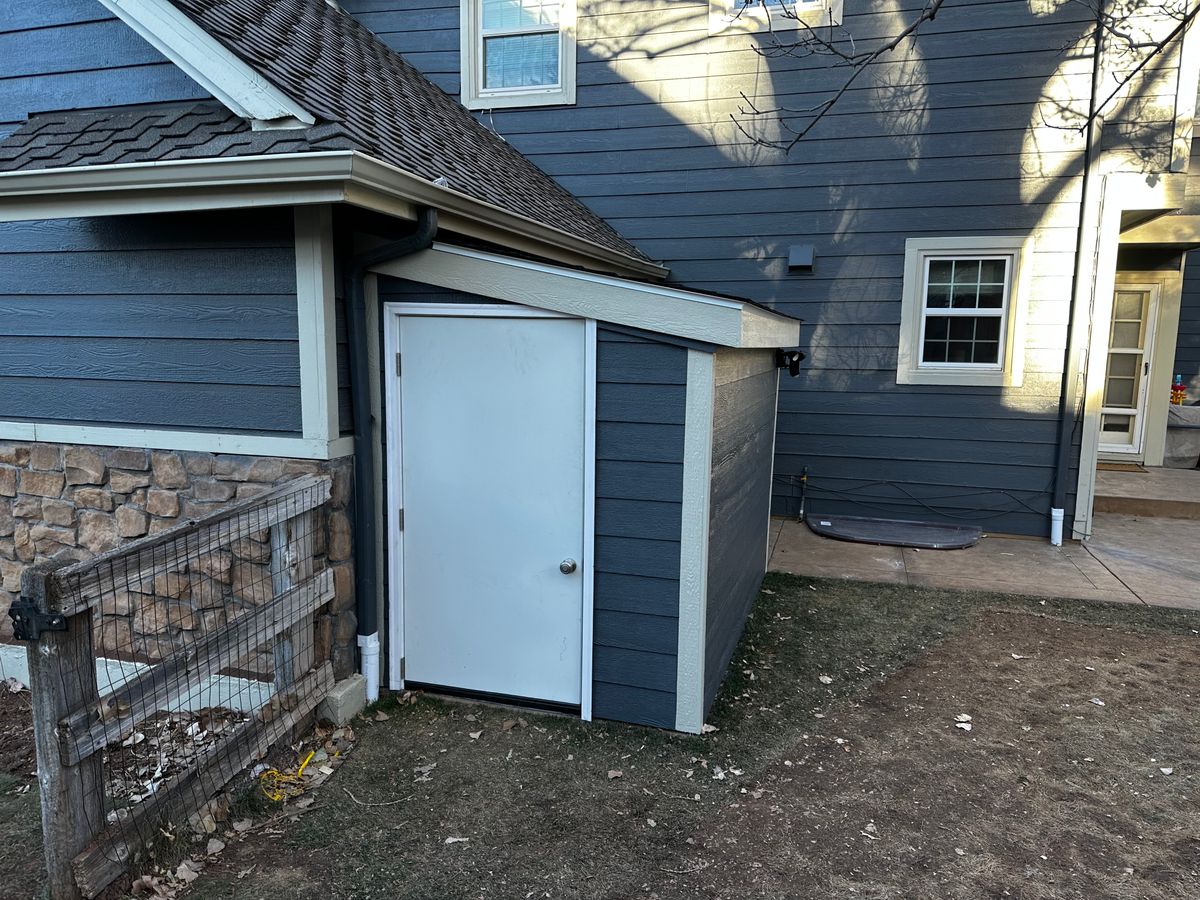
293	179
687	314
316	322
693	543
242	89
166	439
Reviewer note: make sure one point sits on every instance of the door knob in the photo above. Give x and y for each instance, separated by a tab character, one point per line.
567	566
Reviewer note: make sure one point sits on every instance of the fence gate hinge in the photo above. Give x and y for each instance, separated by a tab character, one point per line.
402	668
29	622
397	362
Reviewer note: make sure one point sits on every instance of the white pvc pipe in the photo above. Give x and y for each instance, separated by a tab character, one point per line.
1056	526
368	651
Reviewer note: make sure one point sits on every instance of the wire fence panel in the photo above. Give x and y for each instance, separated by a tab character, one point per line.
203	644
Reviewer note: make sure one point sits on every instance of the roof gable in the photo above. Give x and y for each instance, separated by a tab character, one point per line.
330	68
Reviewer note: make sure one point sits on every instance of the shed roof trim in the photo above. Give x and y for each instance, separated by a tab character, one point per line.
687	314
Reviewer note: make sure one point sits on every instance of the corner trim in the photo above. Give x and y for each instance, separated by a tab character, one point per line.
315	321
693	541
165	439
241	88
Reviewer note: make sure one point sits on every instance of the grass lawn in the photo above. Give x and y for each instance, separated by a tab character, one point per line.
861	787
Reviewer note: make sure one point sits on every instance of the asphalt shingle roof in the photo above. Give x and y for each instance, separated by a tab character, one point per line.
365	96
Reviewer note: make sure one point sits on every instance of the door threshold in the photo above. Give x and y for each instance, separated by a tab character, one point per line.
487	698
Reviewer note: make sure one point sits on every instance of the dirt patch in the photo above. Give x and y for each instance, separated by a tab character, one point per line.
17	756
1076	778
458	800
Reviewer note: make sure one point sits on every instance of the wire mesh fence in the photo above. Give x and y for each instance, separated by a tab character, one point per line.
201	653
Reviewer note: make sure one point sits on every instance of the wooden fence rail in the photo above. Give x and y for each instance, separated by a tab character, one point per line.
84	851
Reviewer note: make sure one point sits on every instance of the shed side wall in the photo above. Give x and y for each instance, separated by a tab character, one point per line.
1187	349
180	321
743	432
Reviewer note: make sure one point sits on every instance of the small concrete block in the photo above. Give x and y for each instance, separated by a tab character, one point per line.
345	701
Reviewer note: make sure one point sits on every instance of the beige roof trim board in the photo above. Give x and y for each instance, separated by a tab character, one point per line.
665	310
206	60
298	179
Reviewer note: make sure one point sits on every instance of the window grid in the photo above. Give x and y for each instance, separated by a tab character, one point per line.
964	312
518	25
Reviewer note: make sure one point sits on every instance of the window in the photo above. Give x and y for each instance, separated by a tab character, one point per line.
517	53
755	16
960	315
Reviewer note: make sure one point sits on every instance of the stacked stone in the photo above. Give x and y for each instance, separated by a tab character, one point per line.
78	501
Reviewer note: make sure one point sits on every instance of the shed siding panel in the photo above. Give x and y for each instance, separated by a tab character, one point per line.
639	494
1187	350
740	503
154	322
71	54
942	140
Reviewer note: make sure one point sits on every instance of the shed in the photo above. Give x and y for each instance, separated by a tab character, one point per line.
579	482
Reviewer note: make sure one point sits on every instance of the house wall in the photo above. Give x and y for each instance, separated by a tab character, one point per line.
640	400
153	321
71	54
966	132
744	401
1187	349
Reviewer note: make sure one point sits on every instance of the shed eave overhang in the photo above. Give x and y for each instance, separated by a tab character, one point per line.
720	321
293	179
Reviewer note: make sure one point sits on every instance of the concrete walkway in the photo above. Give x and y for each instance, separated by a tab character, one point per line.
1128	560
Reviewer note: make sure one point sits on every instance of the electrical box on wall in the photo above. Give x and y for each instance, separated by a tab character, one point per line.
754	16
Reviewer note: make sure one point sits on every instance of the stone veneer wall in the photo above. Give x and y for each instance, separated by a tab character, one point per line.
78	501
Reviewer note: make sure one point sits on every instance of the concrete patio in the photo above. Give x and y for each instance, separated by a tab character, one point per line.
1129	559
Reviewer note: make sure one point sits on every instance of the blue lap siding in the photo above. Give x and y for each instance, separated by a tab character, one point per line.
1187	350
181	321
71	54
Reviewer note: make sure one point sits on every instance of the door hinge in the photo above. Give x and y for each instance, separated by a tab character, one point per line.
400	520
402	668
397	363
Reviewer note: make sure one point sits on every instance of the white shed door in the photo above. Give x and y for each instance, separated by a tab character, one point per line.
492	466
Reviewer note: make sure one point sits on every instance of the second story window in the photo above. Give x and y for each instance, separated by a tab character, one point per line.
517	53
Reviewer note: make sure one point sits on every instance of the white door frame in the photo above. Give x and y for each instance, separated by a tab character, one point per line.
1135	282
394	313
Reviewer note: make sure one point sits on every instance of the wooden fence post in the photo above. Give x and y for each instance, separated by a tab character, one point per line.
62	679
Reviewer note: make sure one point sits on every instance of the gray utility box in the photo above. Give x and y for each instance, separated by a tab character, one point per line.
1183	437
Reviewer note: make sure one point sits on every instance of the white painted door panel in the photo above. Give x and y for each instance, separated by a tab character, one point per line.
492	450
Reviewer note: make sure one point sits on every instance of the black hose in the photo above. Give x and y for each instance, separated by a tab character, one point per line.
365	559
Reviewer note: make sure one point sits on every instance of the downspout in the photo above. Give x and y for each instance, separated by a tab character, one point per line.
1068	395
365	559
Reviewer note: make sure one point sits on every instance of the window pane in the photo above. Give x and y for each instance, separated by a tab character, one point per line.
527	60
959	352
937	328
992	271
987	328
1123	365
991	296
1117	424
509	14
1128	305
966	271
1119	392
937	296
940	271
962	329
935	351
987	352
1126	334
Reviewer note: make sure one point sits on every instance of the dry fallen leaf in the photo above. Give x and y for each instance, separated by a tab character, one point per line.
825	679
457	840
962	717
241	826
186	873
965	726
381	716
474	735
614	773
1167	770
1018	656
214	847
708	729
1097	701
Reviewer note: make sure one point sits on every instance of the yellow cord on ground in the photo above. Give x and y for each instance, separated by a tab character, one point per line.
278	786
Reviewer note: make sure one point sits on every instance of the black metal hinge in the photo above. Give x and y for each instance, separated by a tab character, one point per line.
29	622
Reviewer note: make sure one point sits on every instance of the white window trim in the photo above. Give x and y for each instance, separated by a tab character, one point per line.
1009	373
474	96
